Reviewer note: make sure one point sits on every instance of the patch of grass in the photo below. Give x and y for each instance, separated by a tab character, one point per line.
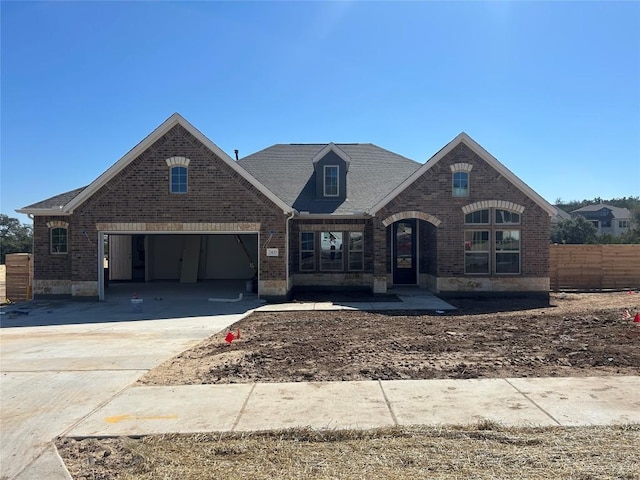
482	451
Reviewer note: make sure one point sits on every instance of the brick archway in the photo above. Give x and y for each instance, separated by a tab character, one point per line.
435	221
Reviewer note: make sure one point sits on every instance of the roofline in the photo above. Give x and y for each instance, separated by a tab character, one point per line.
480	151
169	123
331	147
44	211
320	216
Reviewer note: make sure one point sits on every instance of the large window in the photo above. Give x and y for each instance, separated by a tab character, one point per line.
335	251
491	248
356	251
59	242
476	251
179	179
307	251
461	184
331	251
507	251
331	181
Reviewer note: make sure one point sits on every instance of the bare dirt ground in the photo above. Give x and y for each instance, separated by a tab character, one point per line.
574	334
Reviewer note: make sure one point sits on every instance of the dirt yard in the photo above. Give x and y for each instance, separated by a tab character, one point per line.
583	334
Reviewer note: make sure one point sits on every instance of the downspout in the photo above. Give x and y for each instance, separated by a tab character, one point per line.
286	246
33	251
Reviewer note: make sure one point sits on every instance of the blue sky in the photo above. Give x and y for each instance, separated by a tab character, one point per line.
552	89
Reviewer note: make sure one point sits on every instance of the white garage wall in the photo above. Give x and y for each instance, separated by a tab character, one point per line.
223	258
164	253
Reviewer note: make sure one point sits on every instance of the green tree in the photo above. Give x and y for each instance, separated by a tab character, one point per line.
574	231
14	236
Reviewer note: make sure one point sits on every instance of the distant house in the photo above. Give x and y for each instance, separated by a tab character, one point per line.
177	208
606	218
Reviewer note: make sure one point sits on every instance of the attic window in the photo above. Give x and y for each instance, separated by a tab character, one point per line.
460	184
331	173
460	173
178	179
178	174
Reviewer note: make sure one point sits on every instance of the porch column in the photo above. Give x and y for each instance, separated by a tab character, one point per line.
379	257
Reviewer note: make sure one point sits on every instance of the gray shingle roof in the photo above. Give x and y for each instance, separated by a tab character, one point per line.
58	200
618	212
287	170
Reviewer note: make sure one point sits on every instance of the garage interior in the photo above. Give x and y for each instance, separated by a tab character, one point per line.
200	265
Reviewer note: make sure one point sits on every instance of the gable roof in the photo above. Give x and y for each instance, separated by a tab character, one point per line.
482	153
55	205
288	171
618	212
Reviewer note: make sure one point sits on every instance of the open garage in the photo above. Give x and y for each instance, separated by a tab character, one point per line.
225	261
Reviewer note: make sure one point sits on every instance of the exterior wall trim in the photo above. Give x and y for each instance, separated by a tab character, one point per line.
178	227
503	204
411	214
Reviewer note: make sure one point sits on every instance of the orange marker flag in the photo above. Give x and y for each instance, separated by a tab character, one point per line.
636	319
229	338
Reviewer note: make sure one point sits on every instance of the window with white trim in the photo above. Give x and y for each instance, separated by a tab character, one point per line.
476	251
461	184
504	217
507	251
331	248
334	251
307	251
623	223
331	173
356	251
479	217
178	179
59	240
494	250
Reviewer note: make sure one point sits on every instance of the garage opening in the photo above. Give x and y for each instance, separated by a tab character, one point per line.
185	262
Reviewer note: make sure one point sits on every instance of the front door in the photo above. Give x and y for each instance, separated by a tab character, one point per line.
404	252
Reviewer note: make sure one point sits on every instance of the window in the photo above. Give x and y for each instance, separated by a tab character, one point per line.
507	251
356	251
331	181
460	184
505	216
623	223
179	179
307	251
476	251
59	240
331	251
480	217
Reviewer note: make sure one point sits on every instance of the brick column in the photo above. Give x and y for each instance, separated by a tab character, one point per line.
379	257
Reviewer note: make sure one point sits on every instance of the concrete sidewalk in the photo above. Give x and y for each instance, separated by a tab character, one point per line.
366	404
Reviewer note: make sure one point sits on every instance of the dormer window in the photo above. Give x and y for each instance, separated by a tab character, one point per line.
331	166
331	175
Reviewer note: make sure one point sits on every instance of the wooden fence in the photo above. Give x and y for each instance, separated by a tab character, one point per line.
19	275
594	267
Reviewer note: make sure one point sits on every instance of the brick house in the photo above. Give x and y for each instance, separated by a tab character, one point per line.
177	208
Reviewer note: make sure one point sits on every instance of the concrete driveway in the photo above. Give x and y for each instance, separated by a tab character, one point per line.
68	359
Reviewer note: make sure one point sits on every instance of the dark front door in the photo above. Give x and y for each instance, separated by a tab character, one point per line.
404	252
